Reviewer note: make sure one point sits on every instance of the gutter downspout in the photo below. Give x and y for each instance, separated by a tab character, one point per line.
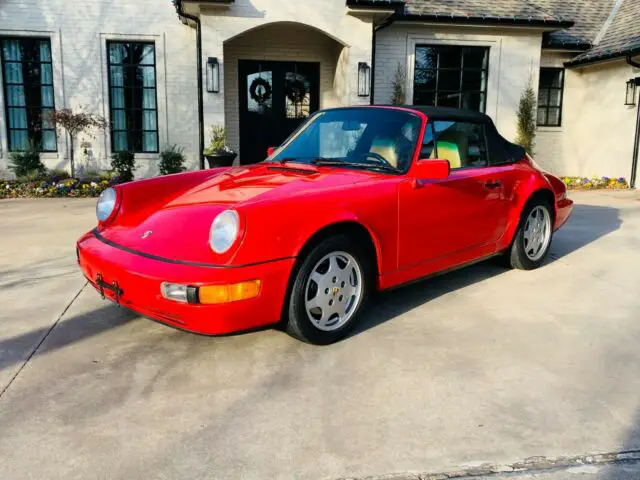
186	16
376	28
636	143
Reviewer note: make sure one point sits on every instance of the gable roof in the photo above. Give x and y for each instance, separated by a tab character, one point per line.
619	36
589	17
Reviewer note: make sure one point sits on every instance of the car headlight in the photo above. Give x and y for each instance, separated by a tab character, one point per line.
224	231
106	204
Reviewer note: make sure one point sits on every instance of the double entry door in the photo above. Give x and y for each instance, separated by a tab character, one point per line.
275	98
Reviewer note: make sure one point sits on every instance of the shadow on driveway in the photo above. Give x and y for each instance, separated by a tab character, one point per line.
588	224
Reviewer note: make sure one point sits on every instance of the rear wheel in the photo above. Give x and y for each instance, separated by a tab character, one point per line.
330	289
533	238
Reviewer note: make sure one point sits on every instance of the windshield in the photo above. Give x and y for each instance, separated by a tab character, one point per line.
374	138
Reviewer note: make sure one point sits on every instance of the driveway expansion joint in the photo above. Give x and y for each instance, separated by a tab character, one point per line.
531	465
41	341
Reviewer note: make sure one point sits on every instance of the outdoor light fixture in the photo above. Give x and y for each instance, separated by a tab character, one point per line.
213	75
631	92
364	79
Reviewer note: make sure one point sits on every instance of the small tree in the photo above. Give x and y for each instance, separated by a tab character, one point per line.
527	118
73	124
399	85
27	163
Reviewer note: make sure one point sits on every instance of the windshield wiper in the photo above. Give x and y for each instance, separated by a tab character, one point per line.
342	163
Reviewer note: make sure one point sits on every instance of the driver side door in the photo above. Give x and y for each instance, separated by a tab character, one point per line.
461	213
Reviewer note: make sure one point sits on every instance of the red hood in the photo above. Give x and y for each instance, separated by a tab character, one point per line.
181	212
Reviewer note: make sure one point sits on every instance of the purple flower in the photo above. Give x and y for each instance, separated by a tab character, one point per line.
621	180
605	179
585	180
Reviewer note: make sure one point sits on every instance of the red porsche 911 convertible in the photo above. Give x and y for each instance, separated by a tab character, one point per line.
356	200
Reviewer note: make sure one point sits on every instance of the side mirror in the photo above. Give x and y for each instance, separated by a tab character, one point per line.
426	169
270	151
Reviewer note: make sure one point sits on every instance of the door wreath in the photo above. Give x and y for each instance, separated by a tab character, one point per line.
295	90
260	90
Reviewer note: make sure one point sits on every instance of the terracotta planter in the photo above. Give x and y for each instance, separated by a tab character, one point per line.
222	159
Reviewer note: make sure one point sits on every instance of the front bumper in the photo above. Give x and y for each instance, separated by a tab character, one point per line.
138	278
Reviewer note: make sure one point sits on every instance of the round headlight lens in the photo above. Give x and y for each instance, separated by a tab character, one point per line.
224	231
106	204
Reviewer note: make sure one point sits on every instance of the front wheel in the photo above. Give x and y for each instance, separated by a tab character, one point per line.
533	238
329	291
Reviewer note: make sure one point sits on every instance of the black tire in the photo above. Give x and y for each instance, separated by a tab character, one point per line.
298	323
516	256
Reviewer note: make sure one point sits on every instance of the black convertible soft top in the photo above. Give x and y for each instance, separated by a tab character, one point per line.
501	150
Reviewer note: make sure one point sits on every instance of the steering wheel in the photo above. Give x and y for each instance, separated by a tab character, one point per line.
378	158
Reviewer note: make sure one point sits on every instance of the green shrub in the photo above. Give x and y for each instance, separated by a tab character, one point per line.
172	160
27	163
107	175
123	163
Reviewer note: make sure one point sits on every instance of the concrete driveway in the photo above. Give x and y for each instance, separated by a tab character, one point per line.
481	366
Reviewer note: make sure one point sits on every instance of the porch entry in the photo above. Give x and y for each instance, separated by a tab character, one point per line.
275	98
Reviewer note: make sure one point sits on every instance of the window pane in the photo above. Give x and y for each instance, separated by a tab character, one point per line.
149	98
554	116
149	120
449	80
16	96
45	51
473	80
146	76
476	57
543	97
117	98
17	118
448	99
473	101
19	139
49	140
47	96
426	63
148	55
117	53
46	119
120	141
426	78
117	76
13	72
150	143
46	75
424	98
450	57
542	116
554	98
12	50
259	92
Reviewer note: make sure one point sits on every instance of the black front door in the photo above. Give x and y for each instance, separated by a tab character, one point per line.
275	98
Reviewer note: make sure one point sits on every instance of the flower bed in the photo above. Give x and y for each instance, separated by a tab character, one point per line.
580	183
46	189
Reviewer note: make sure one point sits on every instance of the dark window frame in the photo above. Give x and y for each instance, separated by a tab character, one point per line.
548	106
32	133
460	69
129	131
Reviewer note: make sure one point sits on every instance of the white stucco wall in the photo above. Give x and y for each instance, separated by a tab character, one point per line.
223	29
78	32
597	132
290	42
514	57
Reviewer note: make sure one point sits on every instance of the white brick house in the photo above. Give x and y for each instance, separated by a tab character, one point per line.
265	65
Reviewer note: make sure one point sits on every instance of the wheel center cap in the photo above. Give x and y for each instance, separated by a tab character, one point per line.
334	291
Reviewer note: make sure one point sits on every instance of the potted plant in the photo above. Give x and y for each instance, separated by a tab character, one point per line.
218	154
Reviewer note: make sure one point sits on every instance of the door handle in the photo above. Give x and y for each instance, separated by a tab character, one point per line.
491	184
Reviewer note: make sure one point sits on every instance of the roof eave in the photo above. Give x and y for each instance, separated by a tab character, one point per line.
489	20
603	58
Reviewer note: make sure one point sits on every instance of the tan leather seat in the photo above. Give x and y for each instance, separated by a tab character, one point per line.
453	146
387	148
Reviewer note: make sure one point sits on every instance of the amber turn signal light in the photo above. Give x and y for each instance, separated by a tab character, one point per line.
217	294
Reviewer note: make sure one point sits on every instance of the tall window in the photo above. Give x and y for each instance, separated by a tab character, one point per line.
28	93
132	92
451	76
550	97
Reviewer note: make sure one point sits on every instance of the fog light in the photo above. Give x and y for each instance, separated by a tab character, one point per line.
215	294
178	293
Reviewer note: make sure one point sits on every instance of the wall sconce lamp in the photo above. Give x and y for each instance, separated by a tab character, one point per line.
630	99
364	79
213	75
